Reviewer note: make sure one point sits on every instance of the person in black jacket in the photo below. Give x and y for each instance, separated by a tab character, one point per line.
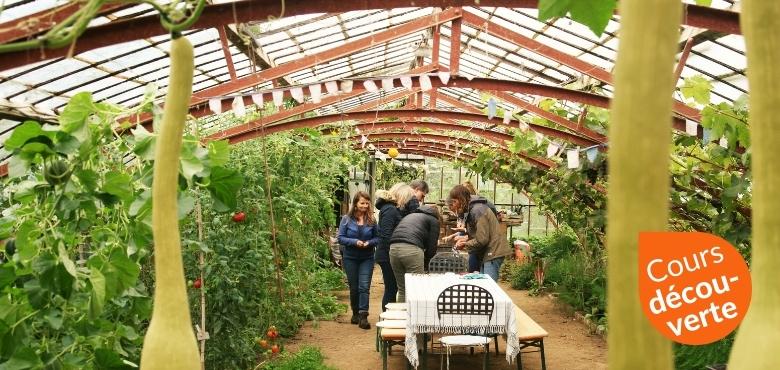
389	217
413	242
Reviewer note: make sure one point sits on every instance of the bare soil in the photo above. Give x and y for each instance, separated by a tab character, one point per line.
568	347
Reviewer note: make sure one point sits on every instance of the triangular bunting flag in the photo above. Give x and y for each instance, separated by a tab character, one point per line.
724	142
507	117
238	106
706	135
346	86
444	77
592	153
552	148
387	84
691	128
332	87
316	93
425	83
278	97
370	86
491	108
297	94
539	138
523	126
215	105
406	81
258	99
363	140
573	158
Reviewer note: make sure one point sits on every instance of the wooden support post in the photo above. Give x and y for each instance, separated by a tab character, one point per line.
455	47
683	58
226	51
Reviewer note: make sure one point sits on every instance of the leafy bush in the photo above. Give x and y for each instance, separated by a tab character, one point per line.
697	357
579	281
519	275
307	358
252	281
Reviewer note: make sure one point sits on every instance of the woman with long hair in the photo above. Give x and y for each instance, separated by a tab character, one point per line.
359	234
484	236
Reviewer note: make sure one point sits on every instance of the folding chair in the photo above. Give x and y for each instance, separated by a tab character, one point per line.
470	300
447	262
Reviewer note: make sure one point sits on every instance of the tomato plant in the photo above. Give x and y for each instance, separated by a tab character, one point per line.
76	290
243	297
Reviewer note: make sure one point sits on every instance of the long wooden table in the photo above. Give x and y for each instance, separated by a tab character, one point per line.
422	293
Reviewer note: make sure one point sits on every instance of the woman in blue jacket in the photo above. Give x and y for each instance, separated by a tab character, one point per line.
359	234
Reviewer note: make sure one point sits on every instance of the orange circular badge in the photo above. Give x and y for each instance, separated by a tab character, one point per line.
694	287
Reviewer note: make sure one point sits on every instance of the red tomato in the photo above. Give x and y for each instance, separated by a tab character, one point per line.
239	217
263	343
275	348
197	284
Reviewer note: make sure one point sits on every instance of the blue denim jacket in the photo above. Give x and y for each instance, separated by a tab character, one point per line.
350	232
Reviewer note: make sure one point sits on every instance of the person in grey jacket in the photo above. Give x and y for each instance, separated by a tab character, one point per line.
413	242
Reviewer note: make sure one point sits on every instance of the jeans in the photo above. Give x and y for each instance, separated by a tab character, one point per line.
405	258
473	262
359	273
491	268
391	287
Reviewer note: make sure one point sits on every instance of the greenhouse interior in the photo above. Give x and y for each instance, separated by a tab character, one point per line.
272	184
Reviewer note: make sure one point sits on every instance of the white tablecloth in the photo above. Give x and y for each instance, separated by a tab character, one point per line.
422	292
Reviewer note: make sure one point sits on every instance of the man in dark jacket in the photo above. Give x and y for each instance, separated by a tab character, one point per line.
389	217
413	242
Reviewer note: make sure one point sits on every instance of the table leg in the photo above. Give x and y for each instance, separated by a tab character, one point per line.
424	360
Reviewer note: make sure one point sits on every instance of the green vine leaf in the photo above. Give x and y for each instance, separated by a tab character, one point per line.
697	88
595	14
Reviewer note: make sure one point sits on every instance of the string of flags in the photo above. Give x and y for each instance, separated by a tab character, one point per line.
335	87
332	87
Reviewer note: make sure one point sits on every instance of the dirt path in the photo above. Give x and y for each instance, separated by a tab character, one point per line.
347	347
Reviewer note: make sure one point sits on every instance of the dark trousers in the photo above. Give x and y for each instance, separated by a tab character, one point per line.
391	287
359	273
474	264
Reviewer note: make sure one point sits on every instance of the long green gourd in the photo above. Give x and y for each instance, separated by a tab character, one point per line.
170	342
638	195
758	338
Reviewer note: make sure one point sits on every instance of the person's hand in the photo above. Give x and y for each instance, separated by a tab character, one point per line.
460	242
463	238
458	229
361	244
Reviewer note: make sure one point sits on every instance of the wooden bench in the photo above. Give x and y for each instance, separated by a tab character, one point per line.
530	334
389	338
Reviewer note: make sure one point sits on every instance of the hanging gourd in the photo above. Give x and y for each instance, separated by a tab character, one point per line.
170	341
392	153
638	196
758	337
